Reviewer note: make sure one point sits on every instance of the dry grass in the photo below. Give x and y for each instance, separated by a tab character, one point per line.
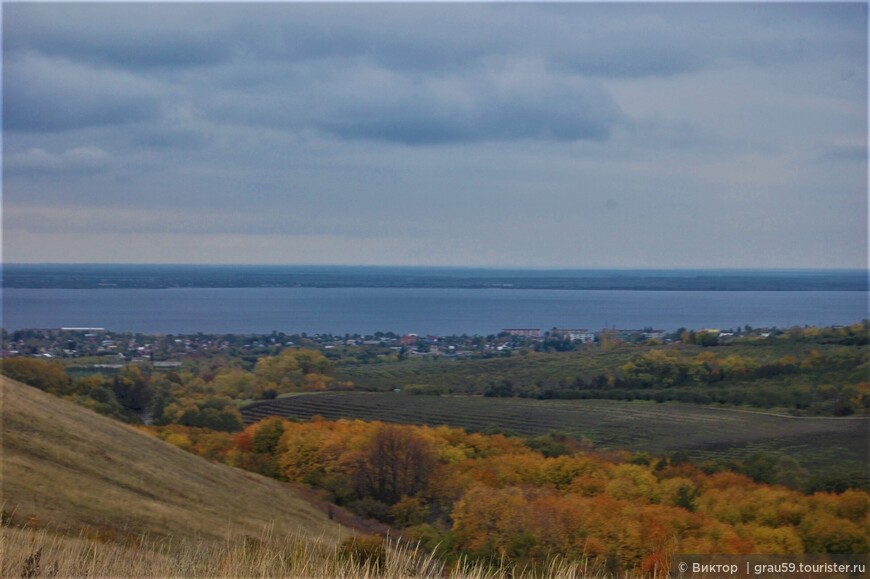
75	471
39	553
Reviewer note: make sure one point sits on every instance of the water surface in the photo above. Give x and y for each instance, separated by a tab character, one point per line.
438	311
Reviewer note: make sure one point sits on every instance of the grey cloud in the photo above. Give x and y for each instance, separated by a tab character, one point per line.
521	102
75	160
40	94
666	39
578	124
651	133
575	114
299	65
611	41
165	36
167	138
848	152
168	133
358	101
602	40
403	37
129	36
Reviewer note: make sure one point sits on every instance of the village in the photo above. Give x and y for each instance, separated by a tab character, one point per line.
117	348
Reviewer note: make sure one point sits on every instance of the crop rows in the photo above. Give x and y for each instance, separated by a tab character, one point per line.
636	426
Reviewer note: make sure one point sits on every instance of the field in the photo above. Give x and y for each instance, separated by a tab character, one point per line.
703	432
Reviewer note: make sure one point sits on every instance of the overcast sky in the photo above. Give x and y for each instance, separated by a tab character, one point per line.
543	135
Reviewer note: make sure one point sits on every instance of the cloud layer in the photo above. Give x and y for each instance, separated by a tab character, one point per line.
666	135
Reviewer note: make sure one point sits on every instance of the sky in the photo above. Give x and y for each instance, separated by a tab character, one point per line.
559	135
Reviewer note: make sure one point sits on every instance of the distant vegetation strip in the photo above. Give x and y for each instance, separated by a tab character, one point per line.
803	371
83	276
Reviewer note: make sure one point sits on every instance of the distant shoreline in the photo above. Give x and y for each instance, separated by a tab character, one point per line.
94	276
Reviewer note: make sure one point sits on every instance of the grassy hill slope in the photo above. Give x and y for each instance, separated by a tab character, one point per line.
67	468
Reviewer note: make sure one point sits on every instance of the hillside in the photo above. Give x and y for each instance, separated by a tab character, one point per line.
67	468
129	505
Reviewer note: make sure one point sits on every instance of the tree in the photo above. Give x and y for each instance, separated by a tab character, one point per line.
679	492
396	463
824	533
215	413
267	435
707	339
491	522
292	369
761	467
132	388
236	383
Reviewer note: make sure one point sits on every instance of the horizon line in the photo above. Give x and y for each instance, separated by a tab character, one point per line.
447	267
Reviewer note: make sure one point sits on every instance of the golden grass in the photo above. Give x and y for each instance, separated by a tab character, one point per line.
39	553
61	556
72	470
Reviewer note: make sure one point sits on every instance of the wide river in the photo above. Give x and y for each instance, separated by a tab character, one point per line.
422	311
